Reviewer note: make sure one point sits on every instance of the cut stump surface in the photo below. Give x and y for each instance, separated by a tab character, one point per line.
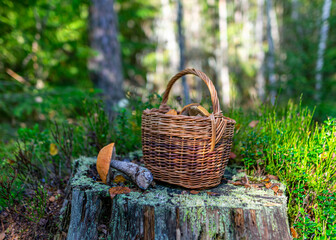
167	212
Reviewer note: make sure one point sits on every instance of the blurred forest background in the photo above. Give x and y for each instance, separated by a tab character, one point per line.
252	50
68	67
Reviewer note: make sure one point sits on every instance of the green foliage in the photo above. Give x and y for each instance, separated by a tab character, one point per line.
288	144
127	124
44	41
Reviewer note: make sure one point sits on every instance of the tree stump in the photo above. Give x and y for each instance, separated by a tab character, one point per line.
167	212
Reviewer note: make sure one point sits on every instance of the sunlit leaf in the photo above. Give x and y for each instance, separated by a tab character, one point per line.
53	149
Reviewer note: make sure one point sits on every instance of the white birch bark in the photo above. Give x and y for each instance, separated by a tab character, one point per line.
260	80
181	42
270	58
167	47
193	44
246	31
274	26
222	56
322	46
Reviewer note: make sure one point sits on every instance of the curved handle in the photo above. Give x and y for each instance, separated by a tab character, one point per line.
208	82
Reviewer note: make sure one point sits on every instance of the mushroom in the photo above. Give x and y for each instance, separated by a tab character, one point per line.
141	176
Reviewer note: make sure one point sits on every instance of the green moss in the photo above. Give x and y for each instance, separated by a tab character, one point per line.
80	179
194	208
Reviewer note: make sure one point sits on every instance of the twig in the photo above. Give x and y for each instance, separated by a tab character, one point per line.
17	77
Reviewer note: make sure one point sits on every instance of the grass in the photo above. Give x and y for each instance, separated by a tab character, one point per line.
289	144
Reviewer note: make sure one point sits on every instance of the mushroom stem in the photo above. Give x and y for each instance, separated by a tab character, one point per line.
141	176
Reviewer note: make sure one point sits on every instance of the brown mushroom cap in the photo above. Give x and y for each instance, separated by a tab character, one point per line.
104	159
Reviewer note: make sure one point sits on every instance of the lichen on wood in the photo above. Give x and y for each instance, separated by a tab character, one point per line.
167	212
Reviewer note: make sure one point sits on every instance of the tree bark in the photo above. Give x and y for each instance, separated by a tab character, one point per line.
260	52
222	55
194	46
270	58
322	46
165	36
106	65
167	212
181	42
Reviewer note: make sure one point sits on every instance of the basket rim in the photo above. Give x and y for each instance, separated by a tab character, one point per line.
150	111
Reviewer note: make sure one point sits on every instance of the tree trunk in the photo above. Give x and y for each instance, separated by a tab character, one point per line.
166	48
322	46
260	51
270	58
167	212
181	42
222	56
105	66
194	47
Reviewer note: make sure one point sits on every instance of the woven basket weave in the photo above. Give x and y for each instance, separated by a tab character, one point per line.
189	151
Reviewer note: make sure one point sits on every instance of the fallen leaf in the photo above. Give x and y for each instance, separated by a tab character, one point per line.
253	123
268	185
53	149
273	177
118	190
212	194
293	232
10	161
119	179
275	189
194	192
2	236
238	183
266	179
232	155
257	185
52	199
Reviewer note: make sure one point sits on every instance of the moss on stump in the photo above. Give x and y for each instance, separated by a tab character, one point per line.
167	212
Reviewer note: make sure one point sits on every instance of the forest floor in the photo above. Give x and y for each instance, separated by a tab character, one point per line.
18	223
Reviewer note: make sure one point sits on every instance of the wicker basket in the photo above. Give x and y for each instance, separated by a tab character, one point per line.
189	151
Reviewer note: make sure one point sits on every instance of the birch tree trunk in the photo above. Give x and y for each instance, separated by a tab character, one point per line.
260	51
167	48
193	44
105	66
321	47
246	31
270	58
222	57
181	42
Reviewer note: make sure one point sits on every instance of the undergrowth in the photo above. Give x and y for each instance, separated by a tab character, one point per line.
289	144
281	141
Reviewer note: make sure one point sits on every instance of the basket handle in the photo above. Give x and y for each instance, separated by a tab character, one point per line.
201	75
